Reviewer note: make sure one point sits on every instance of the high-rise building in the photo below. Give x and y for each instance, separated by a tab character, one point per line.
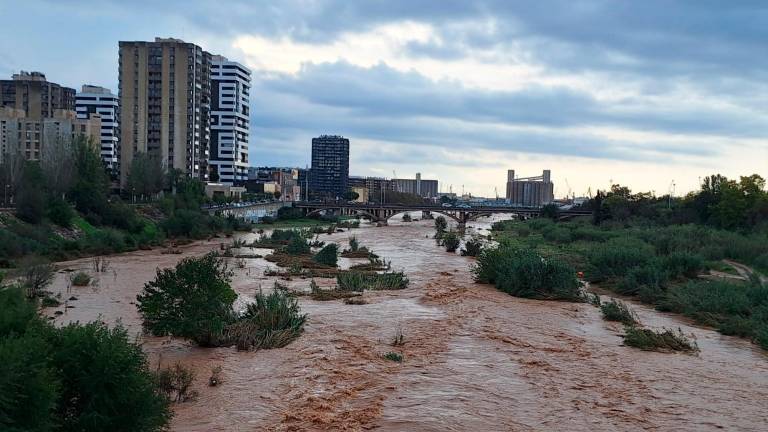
530	191
330	166
165	97
33	94
230	120
92	101
417	186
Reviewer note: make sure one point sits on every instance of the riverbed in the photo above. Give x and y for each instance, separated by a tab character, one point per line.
474	358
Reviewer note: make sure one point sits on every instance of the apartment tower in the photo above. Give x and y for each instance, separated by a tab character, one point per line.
165	97
230	120
330	166
92	101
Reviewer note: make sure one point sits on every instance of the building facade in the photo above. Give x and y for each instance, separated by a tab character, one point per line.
98	101
36	139
230	120
165	100
37	97
417	186
530	191
330	166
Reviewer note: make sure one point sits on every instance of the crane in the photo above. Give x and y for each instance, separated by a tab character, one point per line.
569	188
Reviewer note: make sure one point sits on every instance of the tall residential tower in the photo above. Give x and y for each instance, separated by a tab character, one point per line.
330	166
91	101
165	97
230	120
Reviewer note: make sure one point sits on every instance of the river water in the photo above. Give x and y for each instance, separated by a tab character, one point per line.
474	358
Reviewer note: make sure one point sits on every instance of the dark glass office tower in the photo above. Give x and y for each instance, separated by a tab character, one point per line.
330	166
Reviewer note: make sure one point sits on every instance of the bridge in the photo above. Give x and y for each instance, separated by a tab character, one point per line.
252	212
461	214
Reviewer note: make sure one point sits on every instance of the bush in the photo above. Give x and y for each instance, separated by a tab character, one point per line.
664	340
682	263
393	356
614	258
105	381
273	321
175	382
17	311
328	255
451	241
81	279
354	245
440	224
649	275
60	212
472	247
359	281
407	217
297	246
28	385
36	274
616	310
193	301
523	273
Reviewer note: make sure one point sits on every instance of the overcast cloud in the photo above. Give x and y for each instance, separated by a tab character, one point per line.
634	92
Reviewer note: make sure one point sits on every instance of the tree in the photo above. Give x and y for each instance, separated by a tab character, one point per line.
30	195
451	241
106	384
91	184
351	195
550	211
58	164
147	176
60	212
440	224
328	255
35	274
276	194
193	300
28	387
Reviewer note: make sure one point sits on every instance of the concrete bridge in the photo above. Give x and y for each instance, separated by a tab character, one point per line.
252	212
461	214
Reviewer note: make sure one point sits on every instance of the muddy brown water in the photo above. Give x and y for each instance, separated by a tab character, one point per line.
474	358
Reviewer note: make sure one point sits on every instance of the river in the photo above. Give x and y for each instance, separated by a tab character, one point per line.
474	358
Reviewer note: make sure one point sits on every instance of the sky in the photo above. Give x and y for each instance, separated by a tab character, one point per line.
652	94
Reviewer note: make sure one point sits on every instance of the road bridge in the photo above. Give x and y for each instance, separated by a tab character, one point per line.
252	212
461	214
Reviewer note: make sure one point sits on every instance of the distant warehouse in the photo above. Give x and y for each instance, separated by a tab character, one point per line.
530	191
417	186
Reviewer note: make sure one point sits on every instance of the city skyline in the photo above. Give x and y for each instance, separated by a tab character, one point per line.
460	91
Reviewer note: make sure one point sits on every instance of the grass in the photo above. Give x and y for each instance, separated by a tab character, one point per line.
393	356
663	340
659	265
272	321
616	310
81	279
525	273
320	294
360	281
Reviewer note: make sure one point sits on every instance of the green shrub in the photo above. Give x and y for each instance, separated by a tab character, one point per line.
359	281
472	247
273	321
451	241
615	310
175	382
105	381
60	212
440	225
558	234
615	257
297	246
664	340
81	279
28	384
193	301
328	255
649	275
17	312
393	356
354	245
523	273
682	263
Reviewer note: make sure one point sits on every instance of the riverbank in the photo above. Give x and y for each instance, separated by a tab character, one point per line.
473	357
